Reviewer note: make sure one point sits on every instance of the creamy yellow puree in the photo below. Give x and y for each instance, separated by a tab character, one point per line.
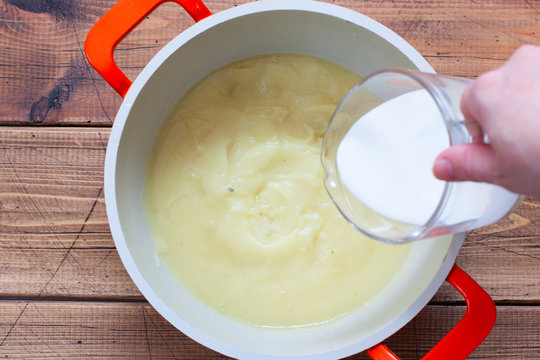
236	204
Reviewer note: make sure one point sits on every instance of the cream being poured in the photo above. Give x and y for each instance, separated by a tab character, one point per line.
385	160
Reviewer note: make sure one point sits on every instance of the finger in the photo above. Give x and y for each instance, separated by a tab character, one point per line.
467	162
480	97
465	102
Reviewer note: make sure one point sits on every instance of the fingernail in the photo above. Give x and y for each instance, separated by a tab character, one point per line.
443	170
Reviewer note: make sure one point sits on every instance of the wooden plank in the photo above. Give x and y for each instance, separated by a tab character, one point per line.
463	38
53	224
111	330
74	330
56	241
504	258
45	78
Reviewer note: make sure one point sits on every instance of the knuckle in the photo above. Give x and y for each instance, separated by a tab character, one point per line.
485	92
525	58
488	83
526	52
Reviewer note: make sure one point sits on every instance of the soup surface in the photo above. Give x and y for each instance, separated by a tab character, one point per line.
235	199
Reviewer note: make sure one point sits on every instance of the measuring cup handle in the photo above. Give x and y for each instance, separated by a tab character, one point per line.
468	131
468	334
123	17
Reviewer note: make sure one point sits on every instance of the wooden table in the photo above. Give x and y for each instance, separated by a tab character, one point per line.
63	290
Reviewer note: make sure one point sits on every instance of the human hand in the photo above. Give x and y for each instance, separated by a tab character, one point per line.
506	104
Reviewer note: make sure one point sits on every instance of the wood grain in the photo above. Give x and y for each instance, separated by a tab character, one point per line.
134	330
53	224
74	330
45	78
504	258
56	241
64	292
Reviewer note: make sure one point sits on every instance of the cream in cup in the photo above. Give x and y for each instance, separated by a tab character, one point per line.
378	154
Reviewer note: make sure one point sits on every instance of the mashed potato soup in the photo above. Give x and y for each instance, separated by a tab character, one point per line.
235	199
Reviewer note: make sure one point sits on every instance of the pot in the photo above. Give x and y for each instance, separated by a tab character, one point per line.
269	26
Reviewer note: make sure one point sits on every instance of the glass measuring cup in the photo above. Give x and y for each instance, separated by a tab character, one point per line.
396	207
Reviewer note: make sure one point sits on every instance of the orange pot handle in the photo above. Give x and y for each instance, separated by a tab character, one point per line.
468	334
123	17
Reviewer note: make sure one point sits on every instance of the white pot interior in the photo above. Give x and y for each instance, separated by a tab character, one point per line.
272	26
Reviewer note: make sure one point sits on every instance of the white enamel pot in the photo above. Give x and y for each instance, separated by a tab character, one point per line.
269	26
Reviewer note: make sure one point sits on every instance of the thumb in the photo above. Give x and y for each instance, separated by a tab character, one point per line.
466	162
